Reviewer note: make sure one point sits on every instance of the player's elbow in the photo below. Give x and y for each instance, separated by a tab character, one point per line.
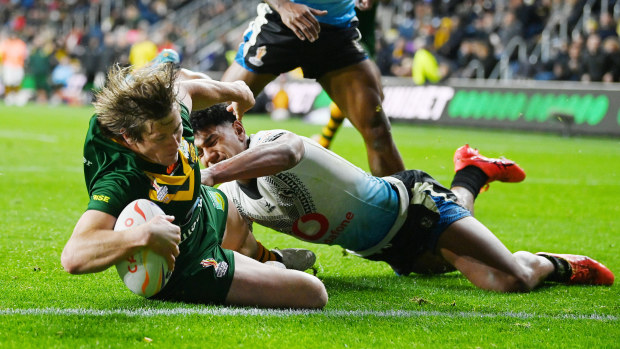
69	262
290	156
292	151
283	157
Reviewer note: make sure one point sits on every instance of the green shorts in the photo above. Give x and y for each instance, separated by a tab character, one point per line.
202	279
203	270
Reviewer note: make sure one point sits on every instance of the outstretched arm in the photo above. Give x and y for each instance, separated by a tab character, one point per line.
262	160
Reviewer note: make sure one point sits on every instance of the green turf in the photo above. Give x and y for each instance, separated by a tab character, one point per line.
568	203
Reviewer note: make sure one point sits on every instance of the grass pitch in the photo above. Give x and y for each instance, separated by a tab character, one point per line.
568	203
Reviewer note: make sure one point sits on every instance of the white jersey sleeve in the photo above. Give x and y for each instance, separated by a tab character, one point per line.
323	199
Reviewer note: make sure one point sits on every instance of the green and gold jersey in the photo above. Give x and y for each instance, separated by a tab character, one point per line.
115	176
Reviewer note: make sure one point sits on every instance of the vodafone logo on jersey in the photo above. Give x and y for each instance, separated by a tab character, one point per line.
314	226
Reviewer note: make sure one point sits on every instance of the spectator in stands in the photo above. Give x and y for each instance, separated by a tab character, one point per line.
383	56
425	68
593	59
61	74
402	57
143	50
556	68
573	66
449	50
509	29
531	15
91	61
477	57
483	51
123	47
611	50
110	52
607	26
13	55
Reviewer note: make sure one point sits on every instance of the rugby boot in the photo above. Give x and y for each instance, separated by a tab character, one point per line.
584	270
502	170
296	258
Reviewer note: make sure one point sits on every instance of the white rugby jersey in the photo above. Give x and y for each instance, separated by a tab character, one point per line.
323	199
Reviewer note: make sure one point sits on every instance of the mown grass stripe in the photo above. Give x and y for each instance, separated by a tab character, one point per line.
292	312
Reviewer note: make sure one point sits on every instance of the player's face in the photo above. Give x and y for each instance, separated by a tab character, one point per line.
218	143
160	143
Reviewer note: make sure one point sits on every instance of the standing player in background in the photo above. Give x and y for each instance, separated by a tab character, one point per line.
367	30
293	185
322	38
140	145
13	54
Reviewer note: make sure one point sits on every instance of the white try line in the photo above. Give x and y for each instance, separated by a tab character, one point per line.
20	135
223	311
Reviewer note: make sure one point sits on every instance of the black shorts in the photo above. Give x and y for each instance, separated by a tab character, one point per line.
270	47
432	208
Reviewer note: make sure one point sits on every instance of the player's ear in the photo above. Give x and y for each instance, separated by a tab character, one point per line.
239	130
126	138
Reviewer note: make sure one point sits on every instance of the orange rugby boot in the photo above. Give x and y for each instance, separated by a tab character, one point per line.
502	170
584	270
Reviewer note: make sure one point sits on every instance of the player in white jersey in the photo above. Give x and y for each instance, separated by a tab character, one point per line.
293	185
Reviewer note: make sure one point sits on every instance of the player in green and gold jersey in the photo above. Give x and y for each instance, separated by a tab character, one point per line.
140	145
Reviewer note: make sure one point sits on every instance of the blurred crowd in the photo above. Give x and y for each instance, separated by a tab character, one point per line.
469	38
69	45
64	58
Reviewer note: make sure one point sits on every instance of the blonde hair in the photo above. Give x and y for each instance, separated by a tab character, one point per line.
132	98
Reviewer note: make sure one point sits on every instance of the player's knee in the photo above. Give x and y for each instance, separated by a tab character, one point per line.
377	134
316	294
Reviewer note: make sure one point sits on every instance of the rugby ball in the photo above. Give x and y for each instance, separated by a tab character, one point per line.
145	273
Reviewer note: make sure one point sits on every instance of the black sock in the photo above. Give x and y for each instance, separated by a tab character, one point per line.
561	269
471	178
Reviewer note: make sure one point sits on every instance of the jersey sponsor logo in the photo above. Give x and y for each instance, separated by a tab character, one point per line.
333	235
257	60
312	234
315	217
87	162
220	268
103	198
217	199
